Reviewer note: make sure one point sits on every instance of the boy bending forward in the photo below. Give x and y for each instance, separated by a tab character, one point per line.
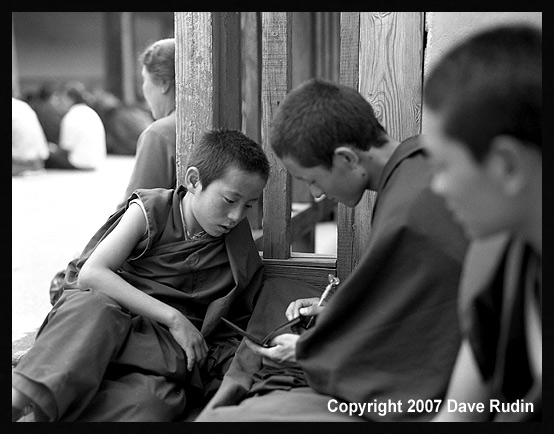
137	331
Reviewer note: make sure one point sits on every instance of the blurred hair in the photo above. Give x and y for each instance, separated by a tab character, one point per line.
490	85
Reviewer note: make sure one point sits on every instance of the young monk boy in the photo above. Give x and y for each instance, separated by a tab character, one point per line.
389	332
484	101
138	324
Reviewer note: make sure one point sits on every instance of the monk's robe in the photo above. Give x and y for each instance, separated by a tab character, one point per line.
95	361
390	332
501	317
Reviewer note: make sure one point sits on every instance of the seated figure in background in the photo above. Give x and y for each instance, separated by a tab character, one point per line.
29	145
82	143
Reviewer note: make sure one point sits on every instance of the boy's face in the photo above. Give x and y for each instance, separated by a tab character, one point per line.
152	93
225	202
338	183
471	191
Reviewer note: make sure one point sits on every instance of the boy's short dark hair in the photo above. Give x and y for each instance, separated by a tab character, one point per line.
317	117
490	85
218	150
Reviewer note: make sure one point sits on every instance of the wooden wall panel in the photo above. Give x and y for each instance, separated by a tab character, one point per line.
391	69
382	57
193	81
207	77
276	83
353	224
251	52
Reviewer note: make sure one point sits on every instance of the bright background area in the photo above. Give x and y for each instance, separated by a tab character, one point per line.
54	214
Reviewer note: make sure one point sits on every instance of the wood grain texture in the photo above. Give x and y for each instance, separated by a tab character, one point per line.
353	224
276	81
391	69
312	269
251	52
193	80
227	70
385	65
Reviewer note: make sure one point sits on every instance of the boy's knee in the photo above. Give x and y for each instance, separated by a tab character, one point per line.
93	304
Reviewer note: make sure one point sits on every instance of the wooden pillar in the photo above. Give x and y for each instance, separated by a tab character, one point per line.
128	59
207	77
251	55
113	53
381	57
121	59
352	223
391	69
276	83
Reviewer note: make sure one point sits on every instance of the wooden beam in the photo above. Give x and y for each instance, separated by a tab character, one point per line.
227	75
313	269
382	57
353	224
128	58
276	83
193	82
251	52
113	53
207	77
391	69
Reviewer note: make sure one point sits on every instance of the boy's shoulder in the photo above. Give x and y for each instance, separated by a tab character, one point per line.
157	202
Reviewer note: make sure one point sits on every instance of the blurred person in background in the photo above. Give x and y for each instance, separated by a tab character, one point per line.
155	159
123	122
29	145
82	144
48	112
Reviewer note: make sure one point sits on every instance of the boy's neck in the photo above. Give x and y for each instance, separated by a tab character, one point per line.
376	159
192	225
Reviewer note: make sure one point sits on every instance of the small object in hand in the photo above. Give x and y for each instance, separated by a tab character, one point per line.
329	291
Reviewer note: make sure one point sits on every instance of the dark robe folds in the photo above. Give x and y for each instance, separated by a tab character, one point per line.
95	361
390	332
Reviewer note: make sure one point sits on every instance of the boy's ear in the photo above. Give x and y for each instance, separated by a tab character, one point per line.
192	179
506	163
345	156
165	86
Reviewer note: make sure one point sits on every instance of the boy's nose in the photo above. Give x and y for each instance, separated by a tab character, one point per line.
437	184
235	215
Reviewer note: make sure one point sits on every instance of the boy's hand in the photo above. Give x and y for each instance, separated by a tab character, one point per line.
190	339
304	307
284	349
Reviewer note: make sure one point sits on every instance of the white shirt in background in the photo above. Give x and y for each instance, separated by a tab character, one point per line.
28	139
82	134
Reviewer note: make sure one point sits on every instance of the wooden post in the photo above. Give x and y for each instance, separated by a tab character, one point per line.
389	46
128	58
251	51
352	223
207	81
113	52
391	69
276	83
227	75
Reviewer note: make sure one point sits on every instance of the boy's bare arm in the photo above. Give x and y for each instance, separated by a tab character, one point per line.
99	273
